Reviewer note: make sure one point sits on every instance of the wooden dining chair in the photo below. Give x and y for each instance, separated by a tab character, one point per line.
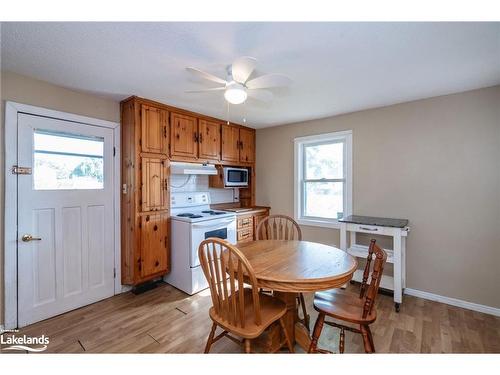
243	312
282	227
359	310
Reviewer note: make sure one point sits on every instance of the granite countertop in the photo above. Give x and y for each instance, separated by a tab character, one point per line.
378	221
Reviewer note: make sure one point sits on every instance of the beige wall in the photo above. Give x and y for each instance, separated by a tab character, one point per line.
42	94
435	162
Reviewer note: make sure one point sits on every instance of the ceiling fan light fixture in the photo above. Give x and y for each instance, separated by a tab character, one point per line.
235	93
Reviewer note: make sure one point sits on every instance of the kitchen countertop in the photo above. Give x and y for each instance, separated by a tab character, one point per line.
247	210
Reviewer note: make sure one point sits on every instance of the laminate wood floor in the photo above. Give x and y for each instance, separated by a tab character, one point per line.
165	320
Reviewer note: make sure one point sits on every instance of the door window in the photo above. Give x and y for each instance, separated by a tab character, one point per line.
67	161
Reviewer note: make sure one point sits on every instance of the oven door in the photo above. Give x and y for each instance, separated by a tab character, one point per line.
221	228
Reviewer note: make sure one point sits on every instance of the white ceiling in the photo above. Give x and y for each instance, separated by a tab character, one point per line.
336	67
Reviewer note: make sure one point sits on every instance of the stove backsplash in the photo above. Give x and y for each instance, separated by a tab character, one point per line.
183	183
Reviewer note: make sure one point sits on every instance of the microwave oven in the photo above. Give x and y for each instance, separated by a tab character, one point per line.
235	177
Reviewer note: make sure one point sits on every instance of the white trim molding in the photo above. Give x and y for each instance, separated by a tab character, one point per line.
344	137
12	109
453	302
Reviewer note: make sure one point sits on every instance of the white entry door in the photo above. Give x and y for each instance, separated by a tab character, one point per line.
65	216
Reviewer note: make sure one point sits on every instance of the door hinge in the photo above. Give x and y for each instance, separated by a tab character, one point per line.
114	273
21	170
114	151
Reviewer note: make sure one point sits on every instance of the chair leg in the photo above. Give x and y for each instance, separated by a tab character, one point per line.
342	341
366	339
370	337
247	346
318	326
287	337
304	311
210	338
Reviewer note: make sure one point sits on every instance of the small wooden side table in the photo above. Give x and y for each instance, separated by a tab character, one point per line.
397	229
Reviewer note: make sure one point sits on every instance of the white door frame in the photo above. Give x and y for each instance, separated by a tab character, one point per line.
12	110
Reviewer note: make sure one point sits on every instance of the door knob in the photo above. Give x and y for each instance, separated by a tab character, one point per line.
29	237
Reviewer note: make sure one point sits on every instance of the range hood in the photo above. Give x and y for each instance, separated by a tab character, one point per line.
192	168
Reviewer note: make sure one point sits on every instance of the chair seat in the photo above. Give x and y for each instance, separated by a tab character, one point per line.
343	306
271	309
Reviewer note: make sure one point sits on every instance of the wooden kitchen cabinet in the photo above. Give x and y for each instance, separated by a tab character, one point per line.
247	145
154	244
230	143
154	135
238	144
154	184
209	140
145	198
192	139
247	221
184	136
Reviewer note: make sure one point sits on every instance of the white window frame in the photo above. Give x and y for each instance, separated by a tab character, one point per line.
299	144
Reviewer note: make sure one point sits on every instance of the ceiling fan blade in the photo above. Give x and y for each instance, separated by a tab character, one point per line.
206	90
206	75
242	68
261	95
269	81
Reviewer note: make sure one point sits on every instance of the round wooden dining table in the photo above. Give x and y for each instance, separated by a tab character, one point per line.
292	267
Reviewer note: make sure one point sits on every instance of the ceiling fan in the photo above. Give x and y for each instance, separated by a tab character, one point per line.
238	87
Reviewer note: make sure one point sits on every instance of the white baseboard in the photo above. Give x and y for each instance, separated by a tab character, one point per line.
453	301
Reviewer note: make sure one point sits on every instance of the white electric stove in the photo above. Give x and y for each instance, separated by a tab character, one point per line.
192	222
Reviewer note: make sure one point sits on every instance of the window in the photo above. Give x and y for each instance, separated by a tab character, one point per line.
64	161
323	178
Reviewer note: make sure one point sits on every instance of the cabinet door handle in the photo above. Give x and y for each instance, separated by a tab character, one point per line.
164	132
200	137
166	184
195	137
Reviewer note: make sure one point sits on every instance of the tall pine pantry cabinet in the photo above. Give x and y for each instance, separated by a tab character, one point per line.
145	194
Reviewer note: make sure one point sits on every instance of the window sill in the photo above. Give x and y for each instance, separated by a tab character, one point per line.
319	223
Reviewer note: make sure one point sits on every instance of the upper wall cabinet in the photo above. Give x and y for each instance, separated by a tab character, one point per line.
184	136
230	143
154	135
238	144
247	145
209	140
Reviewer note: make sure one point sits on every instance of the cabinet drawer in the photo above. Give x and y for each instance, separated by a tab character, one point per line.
245	235
244	222
372	229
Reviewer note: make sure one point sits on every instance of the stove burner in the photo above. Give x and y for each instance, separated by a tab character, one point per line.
217	213
208	212
190	215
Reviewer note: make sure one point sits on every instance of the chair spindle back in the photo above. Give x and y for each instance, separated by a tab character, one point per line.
369	291
224	267
279	227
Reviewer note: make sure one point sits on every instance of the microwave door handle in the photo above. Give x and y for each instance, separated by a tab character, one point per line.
212	225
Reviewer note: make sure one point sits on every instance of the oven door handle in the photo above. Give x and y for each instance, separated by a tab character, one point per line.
213	225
